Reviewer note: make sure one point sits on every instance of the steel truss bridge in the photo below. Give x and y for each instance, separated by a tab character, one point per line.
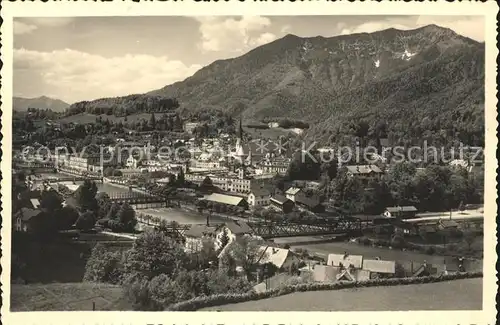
145	200
275	229
74	179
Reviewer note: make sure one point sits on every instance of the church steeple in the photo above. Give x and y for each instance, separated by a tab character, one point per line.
239	153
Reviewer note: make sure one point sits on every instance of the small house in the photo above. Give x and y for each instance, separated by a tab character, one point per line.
379	268
349	266
283	259
447	224
233	230
259	197
293	193
195	236
26	220
281	203
401	212
310	203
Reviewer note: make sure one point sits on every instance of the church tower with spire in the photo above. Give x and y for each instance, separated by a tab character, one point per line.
239	154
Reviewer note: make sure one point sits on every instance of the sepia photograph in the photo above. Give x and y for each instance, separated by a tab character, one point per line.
247	163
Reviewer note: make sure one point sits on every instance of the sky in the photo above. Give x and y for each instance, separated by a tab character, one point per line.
85	58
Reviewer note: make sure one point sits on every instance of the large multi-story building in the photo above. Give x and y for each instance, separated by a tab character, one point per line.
85	163
226	182
365	173
206	164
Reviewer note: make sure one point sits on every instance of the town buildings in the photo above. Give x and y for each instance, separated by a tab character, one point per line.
345	267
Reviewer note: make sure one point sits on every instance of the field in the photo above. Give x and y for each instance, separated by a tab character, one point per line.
452	295
60	261
66	297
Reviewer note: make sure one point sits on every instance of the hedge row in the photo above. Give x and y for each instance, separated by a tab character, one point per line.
224	299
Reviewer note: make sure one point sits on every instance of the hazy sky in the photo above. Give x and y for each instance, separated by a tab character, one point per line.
85	58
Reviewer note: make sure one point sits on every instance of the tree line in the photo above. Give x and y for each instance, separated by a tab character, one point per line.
126	105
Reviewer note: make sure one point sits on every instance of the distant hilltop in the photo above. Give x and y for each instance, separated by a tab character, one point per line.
43	102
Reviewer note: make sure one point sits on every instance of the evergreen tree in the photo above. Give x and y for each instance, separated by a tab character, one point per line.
126	217
86	196
224	240
152	121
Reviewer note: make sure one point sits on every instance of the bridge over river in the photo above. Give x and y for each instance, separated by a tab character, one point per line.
275	229
139	200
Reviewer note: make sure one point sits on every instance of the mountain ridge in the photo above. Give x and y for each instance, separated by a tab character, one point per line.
330	82
346	55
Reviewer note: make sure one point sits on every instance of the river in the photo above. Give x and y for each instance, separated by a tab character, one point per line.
179	215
